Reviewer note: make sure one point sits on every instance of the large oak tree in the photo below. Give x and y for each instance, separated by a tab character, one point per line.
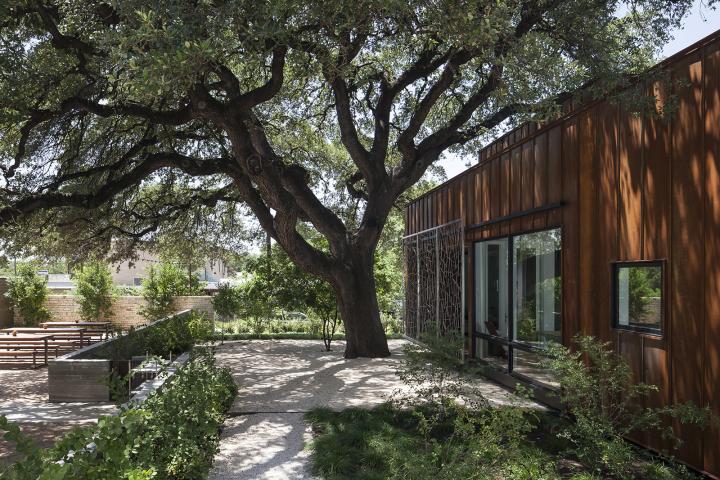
118	116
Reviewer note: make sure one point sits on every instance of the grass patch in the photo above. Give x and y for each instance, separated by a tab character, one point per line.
391	443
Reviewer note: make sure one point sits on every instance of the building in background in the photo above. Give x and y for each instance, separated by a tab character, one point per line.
133	272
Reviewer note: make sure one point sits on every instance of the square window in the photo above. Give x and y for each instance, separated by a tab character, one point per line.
638	296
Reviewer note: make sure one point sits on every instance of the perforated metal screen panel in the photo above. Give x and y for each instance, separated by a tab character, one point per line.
434	281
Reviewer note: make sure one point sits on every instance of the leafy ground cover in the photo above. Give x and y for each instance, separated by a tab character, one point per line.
175	335
392	443
447	430
173	435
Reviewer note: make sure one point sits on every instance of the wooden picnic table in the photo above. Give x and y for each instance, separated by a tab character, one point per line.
26	338
59	331
87	325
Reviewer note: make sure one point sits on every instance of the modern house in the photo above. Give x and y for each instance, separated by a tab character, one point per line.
601	222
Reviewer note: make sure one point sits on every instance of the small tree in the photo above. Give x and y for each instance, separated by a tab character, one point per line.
95	291
27	293
227	301
256	304
277	282
320	297
162	285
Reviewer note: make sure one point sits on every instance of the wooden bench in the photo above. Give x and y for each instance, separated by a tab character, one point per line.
76	334
22	353
24	347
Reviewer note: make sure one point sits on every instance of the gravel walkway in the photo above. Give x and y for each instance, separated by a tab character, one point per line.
280	380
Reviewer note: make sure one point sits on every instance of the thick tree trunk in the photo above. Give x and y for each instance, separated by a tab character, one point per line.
357	301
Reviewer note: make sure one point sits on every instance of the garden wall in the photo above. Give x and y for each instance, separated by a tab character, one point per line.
82	375
126	309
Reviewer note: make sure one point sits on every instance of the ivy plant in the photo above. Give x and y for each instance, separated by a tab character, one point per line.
173	435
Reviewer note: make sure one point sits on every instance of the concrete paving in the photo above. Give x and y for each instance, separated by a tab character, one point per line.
72	413
280	380
23	400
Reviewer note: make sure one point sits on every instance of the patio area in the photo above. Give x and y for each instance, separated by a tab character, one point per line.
24	400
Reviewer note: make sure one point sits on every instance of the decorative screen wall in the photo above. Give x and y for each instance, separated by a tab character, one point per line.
434	281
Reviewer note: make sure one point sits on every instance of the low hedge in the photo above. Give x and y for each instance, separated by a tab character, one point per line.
288	336
172	435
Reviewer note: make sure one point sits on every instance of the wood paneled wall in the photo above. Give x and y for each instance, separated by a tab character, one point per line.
631	188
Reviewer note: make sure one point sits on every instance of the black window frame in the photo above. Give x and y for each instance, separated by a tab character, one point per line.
615	285
508	342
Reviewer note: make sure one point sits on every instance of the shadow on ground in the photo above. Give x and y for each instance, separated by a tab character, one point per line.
279	381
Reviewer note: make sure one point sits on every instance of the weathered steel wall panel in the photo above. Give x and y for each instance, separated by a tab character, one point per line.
632	187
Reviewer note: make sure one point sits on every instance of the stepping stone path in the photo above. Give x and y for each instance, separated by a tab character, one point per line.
280	380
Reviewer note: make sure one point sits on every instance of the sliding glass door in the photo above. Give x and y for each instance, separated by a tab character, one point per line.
518	278
537	303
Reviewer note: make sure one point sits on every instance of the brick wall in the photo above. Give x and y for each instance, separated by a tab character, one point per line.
126	310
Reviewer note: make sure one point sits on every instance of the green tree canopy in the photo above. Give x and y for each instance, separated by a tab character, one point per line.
164	283
308	113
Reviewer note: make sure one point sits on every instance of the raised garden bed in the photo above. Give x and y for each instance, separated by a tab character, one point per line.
84	375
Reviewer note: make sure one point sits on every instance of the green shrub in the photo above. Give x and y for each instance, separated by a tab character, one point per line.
27	292
202	328
173	435
95	291
227	302
178	334
445	429
313	325
604	405
175	335
392	324
162	285
127	291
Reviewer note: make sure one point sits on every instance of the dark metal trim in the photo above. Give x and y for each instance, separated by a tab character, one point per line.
511	343
544	208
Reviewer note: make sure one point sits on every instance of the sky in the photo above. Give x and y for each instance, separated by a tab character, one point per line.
700	23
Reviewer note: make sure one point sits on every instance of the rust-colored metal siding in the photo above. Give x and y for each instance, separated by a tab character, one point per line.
626	187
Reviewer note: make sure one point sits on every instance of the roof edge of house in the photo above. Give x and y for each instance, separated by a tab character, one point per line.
534	128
